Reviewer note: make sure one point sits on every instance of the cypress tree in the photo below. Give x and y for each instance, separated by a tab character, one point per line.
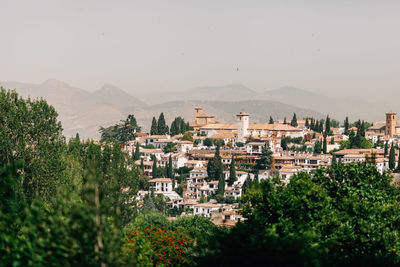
154	168
154	129
256	181
398	162
232	172
385	153
327	125
312	124
346	126
321	126
334	161
221	185
325	146
317	147
271	120
362	129
392	158
307	123
184	127
284	121
141	165
316	126
294	120
215	167
162	128
170	170
245	185
137	152
174	128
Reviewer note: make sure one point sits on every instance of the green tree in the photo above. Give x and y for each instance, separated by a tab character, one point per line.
208	142
392	158
154	169
327	125
335	216
294	120
386	150
31	134
232	172
188	136
137	152
123	132
271	120
265	161
317	147
162	127
324	147
221	185
154	127
346	126
215	168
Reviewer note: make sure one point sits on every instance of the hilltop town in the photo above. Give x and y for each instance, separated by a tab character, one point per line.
204	167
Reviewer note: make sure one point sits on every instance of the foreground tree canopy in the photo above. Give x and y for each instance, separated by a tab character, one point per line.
341	215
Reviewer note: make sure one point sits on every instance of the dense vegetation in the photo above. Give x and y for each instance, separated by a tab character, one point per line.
73	203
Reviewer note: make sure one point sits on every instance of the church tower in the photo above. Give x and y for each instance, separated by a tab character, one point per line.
243	124
390	129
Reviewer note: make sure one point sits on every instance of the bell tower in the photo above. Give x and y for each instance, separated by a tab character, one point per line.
390	129
243	124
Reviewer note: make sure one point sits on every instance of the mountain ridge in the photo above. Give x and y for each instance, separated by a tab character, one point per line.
84	112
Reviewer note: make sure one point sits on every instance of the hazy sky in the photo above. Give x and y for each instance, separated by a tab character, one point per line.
326	46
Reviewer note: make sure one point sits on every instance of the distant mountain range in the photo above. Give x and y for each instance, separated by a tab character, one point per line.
84	112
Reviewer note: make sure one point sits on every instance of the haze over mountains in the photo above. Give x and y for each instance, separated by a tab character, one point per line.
84	112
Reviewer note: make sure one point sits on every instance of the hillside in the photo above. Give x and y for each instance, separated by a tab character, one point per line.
230	92
339	108
84	112
80	110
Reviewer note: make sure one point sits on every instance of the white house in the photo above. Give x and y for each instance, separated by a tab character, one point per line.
205	209
163	186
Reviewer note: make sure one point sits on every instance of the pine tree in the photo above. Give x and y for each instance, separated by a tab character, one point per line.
232	172
271	120
154	129
392	158
294	121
